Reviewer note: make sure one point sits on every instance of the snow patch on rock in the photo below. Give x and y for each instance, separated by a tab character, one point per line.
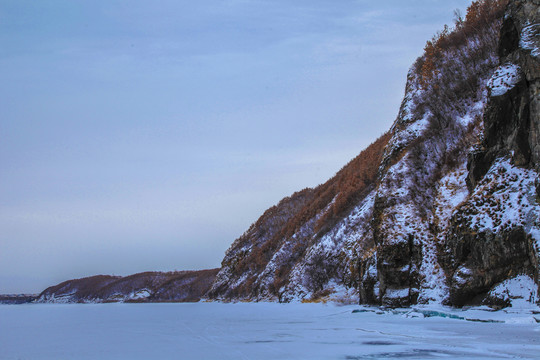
462	275
396	293
504	199
520	291
504	79
139	295
529	40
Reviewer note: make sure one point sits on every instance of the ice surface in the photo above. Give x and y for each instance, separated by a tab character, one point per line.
261	331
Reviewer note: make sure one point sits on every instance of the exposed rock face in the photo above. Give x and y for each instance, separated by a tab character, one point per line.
368	285
182	286
398	268
486	259
520	44
512	119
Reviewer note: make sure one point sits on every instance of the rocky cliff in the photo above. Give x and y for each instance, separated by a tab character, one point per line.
442	208
494	234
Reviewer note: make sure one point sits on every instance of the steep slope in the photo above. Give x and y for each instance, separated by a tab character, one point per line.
443	208
177	286
276	258
422	177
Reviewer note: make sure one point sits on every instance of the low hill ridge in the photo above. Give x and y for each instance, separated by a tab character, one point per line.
177	286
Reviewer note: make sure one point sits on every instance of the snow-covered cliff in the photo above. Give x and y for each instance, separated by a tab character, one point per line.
443	208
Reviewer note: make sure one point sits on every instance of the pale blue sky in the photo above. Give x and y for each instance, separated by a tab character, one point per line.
148	135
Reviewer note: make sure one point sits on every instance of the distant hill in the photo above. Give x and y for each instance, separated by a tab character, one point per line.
18	298
179	286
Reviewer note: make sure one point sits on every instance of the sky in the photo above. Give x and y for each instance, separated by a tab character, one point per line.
148	135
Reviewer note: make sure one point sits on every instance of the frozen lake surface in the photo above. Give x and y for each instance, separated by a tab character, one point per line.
259	331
